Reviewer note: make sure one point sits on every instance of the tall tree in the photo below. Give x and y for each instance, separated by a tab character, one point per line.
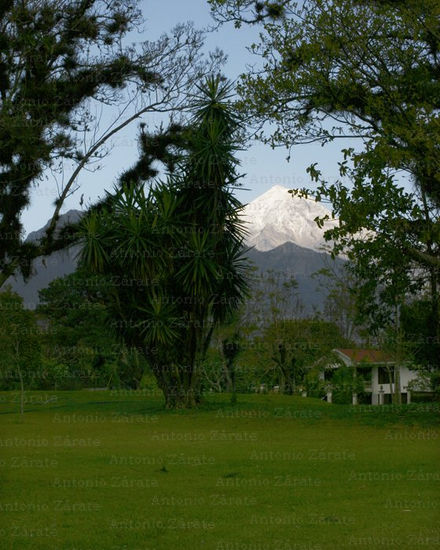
59	62
179	245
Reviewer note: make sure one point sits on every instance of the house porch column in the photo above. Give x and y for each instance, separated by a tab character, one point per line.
380	396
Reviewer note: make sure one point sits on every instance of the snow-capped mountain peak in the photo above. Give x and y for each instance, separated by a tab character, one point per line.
277	216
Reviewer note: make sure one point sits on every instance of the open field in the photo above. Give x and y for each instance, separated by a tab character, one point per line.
111	470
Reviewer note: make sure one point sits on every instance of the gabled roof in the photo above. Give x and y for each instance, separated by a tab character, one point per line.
364	356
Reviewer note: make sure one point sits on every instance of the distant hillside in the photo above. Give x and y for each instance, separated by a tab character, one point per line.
46	268
290	260
286	260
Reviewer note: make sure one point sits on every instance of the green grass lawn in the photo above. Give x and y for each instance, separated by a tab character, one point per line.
106	470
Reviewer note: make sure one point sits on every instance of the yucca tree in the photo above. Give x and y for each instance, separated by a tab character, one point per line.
176	252
213	275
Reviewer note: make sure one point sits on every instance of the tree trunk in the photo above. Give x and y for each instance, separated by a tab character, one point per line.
20	374
178	397
287	380
234	392
228	382
435	320
22	390
397	390
180	392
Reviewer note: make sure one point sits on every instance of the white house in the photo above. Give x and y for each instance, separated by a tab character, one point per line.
377	370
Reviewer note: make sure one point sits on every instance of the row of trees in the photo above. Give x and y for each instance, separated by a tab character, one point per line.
73	340
286	355
68	343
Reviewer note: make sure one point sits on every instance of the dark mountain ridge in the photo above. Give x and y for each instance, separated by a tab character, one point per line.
286	261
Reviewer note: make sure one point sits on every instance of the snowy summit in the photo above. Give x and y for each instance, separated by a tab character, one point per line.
277	217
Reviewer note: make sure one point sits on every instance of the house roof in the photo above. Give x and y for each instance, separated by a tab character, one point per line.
365	355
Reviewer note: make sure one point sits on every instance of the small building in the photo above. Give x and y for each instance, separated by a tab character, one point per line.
376	369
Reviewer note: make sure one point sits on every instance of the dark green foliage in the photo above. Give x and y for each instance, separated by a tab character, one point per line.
47	71
344	384
295	347
417	327
286	353
175	251
80	342
420	335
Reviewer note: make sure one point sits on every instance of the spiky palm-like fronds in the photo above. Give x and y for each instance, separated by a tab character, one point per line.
177	250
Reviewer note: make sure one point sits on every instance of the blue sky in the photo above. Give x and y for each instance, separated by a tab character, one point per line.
262	166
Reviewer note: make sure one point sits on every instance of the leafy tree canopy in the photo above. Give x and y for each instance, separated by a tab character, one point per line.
334	68
58	61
